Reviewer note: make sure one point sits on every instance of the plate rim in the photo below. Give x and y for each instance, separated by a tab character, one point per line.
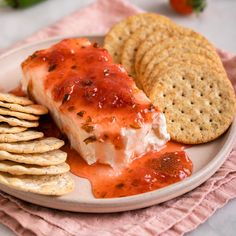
189	183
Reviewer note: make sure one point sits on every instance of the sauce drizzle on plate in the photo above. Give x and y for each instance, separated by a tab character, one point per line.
152	171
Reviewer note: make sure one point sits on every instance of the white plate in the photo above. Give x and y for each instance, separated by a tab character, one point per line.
206	158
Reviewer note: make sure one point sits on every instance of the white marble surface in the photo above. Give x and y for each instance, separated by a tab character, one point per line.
217	23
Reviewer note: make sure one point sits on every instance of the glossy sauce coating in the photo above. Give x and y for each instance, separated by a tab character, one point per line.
82	75
152	171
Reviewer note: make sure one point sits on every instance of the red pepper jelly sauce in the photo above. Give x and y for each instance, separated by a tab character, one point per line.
82	77
152	171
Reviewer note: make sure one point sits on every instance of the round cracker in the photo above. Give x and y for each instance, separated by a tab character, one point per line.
35	146
132	43
11	98
190	59
20	115
55	157
17	122
22	136
31	109
7	129
174	47
46	184
160	37
22	169
120	32
198	102
162	63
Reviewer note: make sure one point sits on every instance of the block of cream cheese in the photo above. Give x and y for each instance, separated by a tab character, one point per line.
106	118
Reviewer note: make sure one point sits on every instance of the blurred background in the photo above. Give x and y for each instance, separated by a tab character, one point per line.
216	22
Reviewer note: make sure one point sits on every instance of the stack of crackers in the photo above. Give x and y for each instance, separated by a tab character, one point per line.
28	161
180	71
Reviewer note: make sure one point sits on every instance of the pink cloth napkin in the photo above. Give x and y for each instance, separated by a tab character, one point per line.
174	217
